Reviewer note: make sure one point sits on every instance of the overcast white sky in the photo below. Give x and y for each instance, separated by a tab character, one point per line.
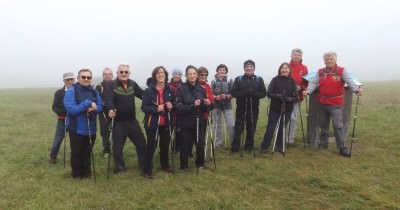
41	39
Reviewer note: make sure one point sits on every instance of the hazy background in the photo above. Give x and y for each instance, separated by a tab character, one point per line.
41	39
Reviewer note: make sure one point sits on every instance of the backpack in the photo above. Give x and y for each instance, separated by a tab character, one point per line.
230	81
338	73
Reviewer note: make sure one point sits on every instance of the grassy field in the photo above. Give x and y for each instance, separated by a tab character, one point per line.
303	179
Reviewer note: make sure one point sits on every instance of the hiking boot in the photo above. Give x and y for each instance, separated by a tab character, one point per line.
148	175
52	161
167	170
344	152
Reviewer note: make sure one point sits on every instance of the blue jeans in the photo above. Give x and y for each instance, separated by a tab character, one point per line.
58	137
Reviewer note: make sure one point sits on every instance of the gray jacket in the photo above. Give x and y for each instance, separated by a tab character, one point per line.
219	86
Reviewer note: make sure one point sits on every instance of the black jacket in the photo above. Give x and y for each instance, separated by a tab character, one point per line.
122	100
150	104
282	89
244	88
185	109
58	103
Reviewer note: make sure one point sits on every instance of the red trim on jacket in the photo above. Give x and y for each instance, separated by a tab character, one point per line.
210	96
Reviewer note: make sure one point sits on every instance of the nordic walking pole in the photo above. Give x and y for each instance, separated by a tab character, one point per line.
197	134
301	122
65	137
170	138
354	126
224	124
252	125
244	128
276	130
212	147
91	144
284	128
110	133
206	144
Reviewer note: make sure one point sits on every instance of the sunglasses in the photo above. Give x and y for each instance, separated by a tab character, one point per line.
124	72
203	75
86	77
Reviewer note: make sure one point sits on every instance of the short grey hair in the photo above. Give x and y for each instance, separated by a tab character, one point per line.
122	65
329	54
297	50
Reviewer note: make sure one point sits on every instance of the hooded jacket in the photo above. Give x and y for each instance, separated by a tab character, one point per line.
185	109
150	104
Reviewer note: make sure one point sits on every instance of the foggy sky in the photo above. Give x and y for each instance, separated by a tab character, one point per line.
41	39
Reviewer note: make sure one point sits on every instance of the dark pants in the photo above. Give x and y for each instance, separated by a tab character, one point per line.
80	154
104	122
164	140
273	118
239	127
189	137
121	131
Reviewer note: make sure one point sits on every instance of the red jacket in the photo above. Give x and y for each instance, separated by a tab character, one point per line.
331	86
298	71
174	85
210	96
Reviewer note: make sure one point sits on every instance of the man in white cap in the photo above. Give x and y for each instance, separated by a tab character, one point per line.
59	109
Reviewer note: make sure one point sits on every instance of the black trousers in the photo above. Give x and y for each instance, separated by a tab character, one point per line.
164	141
273	118
121	131
250	130
80	154
188	138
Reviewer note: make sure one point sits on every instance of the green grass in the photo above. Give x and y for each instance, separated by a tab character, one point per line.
303	179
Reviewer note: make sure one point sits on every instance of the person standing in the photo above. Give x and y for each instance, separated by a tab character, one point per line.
221	87
82	103
191	103
103	118
330	83
283	93
120	105
248	89
298	70
59	109
157	105
175	82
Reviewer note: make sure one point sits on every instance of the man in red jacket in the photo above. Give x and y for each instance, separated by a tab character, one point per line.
330	82
298	71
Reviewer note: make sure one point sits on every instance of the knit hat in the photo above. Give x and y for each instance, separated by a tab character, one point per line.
176	70
68	75
249	62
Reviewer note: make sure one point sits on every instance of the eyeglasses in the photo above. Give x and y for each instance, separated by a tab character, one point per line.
203	75
86	77
124	72
69	79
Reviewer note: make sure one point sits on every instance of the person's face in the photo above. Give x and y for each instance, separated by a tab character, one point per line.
107	75
296	57
285	70
85	78
249	69
123	73
330	61
69	82
191	75
160	76
203	77
221	72
177	77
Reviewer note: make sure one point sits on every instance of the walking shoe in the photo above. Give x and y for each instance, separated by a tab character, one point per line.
344	152
167	170
322	146
148	176
233	151
263	151
52	161
279	150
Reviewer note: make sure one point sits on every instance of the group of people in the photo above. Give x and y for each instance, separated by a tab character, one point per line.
179	113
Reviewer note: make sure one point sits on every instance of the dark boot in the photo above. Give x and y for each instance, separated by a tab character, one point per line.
344	152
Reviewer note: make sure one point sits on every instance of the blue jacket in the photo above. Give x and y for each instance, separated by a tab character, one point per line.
76	101
149	105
